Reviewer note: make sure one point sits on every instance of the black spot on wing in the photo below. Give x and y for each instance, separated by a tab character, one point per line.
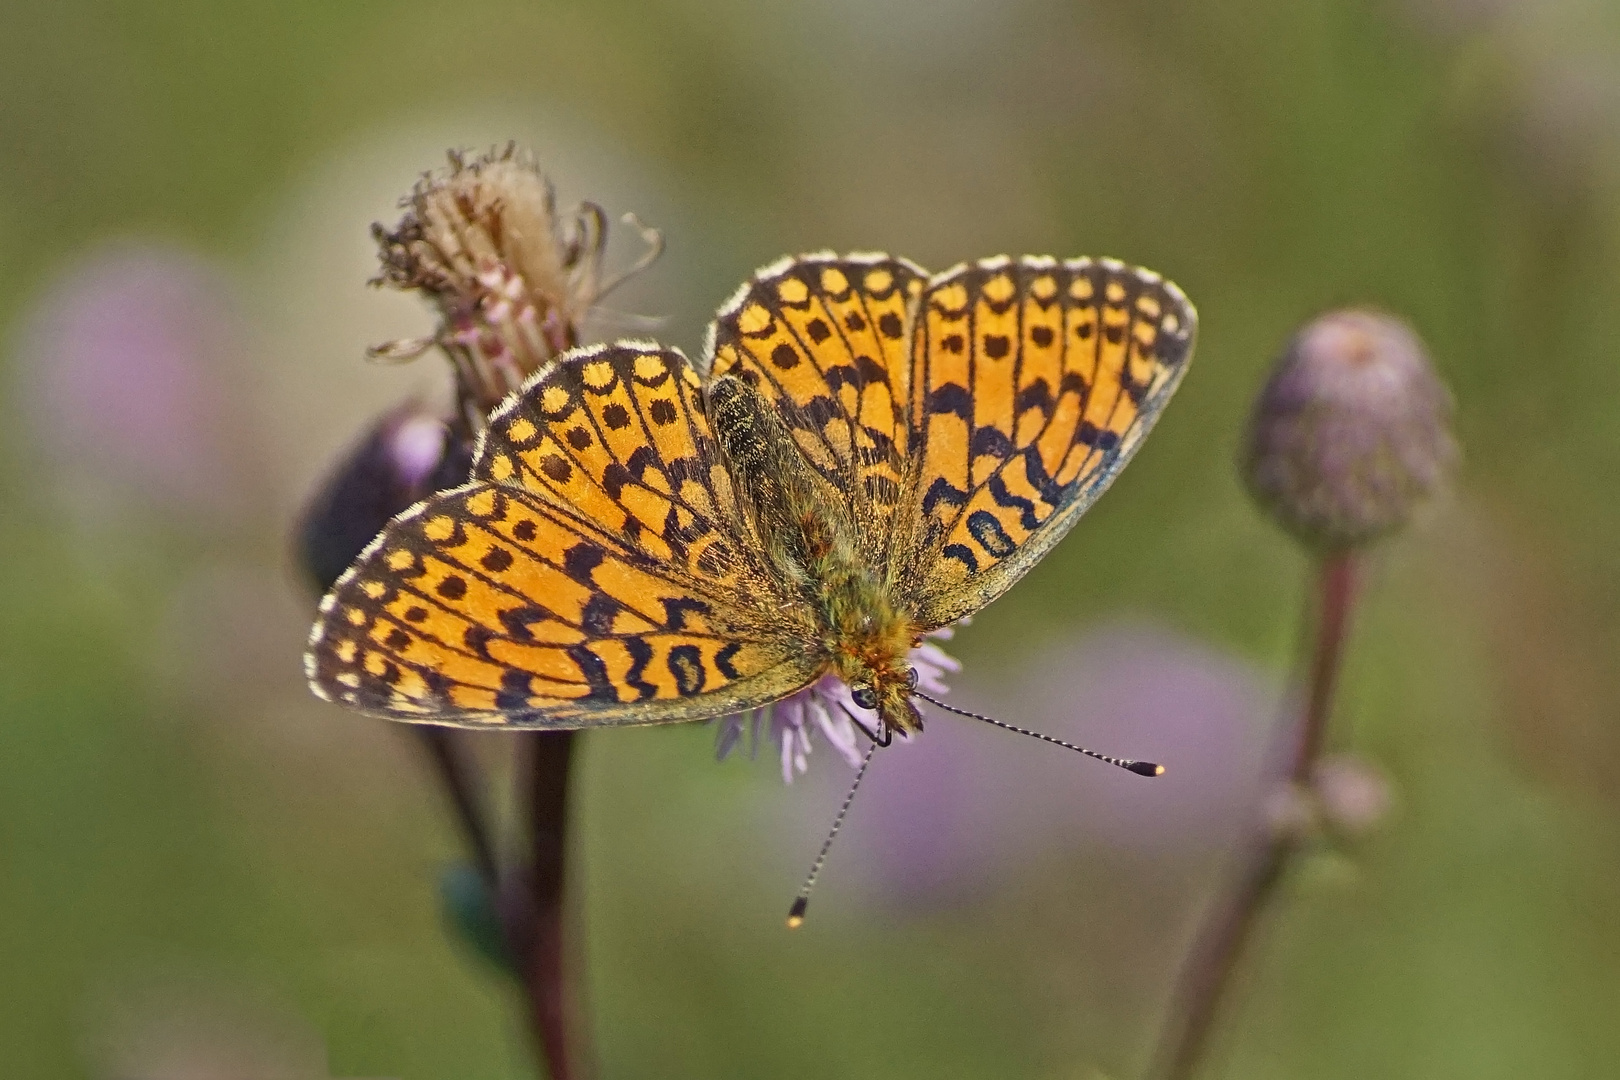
984	527
686	665
517	621
1091	435
641	655
676	609
992	442
870	369
597	617
941	490
594	672
676	533
477	639
951	398
614	477
514	692
1037	395
1051	491
842	375
1026	509
643	458
962	554
581	559
821	410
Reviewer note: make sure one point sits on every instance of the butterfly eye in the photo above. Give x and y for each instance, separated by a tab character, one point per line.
911	678
864	697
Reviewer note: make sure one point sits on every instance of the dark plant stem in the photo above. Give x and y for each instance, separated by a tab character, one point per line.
538	940
550	754
461	786
1208	974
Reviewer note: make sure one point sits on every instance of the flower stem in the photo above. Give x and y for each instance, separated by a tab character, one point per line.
1211	966
461	785
550	754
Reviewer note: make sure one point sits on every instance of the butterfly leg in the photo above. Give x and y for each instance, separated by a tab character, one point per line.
888	732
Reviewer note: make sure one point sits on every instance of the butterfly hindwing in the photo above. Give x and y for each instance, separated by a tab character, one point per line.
1033	382
599	581
824	338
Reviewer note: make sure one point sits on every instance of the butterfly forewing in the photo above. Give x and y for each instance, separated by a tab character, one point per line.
618	434
1033	381
599	580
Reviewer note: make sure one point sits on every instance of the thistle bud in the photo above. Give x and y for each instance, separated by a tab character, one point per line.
510	279
1351	432
407	455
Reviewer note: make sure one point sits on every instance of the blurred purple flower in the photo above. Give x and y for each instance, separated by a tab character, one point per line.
124	364
957	807
826	705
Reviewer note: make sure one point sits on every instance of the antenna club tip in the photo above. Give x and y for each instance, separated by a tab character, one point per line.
1145	768
795	917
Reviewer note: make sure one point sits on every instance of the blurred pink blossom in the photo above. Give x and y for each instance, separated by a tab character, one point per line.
127	397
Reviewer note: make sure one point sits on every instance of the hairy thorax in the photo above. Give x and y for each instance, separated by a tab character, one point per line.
866	640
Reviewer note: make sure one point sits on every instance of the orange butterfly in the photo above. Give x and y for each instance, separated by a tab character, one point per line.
864	453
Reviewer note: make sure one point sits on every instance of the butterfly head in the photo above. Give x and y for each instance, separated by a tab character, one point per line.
891	699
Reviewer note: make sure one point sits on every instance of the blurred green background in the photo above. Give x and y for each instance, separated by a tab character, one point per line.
200	863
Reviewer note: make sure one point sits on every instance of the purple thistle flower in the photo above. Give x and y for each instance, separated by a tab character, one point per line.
826	705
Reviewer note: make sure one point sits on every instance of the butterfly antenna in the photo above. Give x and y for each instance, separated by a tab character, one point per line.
1140	768
796	912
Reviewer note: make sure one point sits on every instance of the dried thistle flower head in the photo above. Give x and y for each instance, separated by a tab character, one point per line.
511	280
1351	432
